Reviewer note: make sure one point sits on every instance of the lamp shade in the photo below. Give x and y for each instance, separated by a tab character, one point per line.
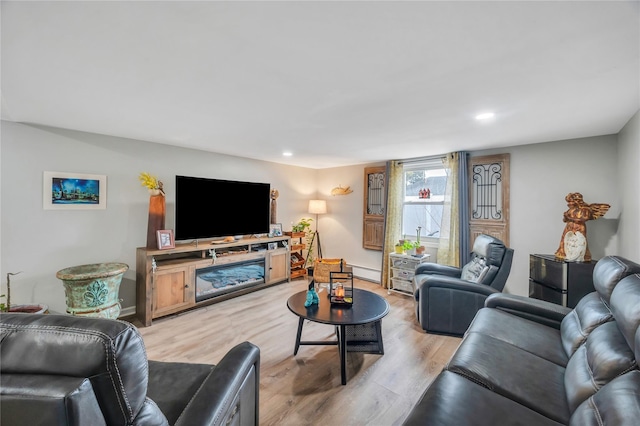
317	206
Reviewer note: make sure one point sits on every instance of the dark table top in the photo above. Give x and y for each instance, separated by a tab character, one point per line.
367	307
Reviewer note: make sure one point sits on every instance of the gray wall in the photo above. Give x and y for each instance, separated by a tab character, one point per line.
541	176
629	188
41	242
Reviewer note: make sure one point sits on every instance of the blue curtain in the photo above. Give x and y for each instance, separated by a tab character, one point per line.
463	182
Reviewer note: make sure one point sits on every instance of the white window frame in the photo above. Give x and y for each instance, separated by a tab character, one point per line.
431	164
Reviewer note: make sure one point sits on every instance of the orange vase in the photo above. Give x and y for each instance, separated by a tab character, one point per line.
157	212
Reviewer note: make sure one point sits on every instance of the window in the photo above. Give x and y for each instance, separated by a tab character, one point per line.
423	202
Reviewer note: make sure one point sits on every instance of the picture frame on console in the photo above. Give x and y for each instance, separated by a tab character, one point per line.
275	230
166	239
272	246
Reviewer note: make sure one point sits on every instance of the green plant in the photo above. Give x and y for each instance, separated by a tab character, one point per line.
302	225
408	245
3	306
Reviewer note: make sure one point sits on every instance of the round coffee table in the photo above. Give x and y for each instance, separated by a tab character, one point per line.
362	322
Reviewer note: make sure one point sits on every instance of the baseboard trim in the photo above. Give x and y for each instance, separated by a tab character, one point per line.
128	311
366	273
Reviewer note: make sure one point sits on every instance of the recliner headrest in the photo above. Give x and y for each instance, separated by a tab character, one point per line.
625	306
490	248
609	271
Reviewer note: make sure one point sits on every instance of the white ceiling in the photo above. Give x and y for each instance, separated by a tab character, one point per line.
335	83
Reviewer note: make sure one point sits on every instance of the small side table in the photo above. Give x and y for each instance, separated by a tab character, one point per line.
401	271
559	281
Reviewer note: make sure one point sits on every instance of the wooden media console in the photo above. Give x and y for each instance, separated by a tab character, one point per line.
192	275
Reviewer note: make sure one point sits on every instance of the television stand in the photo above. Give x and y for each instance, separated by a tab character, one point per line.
166	279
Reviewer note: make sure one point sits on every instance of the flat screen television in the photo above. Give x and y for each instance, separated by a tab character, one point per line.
210	208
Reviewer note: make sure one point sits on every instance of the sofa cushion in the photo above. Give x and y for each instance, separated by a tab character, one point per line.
527	335
589	313
173	384
615	404
604	356
514	373
453	400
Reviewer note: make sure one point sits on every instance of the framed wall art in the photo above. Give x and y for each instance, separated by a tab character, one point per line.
74	191
165	239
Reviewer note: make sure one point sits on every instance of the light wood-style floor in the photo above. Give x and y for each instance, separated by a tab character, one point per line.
306	389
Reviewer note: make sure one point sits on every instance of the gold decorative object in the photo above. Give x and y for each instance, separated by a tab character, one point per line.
573	243
339	190
274	206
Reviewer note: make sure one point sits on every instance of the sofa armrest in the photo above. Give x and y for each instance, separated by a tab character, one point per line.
436	269
231	390
540	311
47	399
423	283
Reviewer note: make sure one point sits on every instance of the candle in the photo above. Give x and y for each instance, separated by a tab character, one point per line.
339	291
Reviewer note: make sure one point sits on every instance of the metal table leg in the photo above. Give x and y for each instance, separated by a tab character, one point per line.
342	346
298	336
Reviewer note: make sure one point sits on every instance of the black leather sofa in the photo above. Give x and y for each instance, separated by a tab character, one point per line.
528	362
66	370
447	298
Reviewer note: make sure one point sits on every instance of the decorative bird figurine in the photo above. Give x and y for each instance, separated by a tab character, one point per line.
339	190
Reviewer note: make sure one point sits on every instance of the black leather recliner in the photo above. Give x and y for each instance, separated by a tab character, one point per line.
66	370
447	298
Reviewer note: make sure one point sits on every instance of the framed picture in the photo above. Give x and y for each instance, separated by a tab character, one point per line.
275	230
272	246
74	191
165	239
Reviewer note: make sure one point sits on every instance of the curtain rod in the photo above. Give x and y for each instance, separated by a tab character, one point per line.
421	159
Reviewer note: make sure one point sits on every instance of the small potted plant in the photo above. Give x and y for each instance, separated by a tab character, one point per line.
302	225
409	247
399	248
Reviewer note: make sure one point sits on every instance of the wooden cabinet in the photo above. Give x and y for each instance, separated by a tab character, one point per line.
168	281
374	207
278	266
558	281
297	257
373	234
173	290
402	270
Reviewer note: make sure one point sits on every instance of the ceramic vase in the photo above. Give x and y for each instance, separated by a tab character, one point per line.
157	213
93	290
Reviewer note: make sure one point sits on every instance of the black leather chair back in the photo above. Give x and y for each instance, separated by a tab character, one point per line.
491	260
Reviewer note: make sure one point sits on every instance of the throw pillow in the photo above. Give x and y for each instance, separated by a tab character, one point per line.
475	270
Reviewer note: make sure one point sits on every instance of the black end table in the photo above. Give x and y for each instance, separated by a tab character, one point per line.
358	327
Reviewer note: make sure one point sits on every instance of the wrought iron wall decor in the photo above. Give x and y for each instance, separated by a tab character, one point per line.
375	199
487	191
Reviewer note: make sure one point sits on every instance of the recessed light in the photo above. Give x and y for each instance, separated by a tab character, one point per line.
485	116
287	154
